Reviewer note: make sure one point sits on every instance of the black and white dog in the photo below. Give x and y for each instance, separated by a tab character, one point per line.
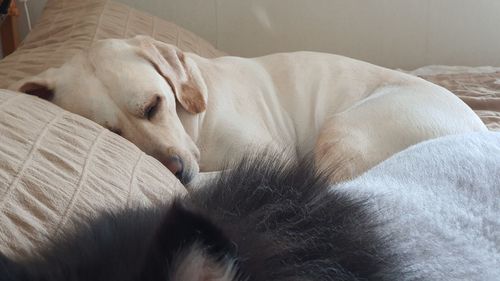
260	221
266	221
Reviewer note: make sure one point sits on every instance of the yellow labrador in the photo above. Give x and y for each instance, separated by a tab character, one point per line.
191	112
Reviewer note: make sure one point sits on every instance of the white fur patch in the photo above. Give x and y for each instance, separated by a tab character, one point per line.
194	264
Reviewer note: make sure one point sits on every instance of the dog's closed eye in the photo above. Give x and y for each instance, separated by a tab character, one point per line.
152	109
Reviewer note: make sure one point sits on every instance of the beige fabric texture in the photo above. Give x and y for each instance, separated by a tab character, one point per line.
68	26
481	91
56	166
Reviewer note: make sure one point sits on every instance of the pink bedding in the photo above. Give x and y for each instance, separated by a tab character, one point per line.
481	91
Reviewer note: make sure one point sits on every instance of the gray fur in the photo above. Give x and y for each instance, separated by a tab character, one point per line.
440	201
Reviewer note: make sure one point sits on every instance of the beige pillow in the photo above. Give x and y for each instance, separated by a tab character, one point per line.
56	166
67	26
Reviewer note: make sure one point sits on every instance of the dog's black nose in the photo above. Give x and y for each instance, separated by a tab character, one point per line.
175	165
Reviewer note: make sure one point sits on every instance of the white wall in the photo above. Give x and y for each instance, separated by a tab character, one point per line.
35	8
393	33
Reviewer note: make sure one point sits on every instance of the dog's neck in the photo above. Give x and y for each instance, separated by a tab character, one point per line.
237	119
257	103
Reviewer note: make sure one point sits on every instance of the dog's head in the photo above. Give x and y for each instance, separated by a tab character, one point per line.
136	88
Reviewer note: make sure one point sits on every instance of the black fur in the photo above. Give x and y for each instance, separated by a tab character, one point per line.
4	7
279	221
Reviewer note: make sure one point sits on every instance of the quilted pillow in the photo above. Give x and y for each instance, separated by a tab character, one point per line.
56	166
67	26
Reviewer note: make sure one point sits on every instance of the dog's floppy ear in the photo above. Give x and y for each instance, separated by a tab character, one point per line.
41	85
179	71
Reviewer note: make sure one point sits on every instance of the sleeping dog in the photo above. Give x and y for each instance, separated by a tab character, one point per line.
269	221
189	112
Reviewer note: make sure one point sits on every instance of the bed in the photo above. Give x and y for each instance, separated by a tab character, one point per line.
479	87
56	167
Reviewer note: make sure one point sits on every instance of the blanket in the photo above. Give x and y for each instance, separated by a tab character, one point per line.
439	201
